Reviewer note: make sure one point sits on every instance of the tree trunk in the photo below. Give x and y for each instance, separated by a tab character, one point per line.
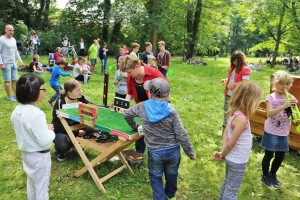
107	6
153	13
27	12
115	32
193	28
38	17
279	34
46	15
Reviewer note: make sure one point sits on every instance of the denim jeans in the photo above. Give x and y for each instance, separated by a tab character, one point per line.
164	161
57	88
103	62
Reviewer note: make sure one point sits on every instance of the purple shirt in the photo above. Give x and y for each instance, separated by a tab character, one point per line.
279	124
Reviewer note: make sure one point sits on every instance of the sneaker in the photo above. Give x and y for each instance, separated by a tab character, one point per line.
266	179
275	181
61	157
115	158
171	198
12	99
50	103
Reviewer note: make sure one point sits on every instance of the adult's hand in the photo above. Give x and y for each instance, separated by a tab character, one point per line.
2	66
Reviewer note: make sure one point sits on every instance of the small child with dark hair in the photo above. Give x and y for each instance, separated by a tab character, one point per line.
164	134
34	136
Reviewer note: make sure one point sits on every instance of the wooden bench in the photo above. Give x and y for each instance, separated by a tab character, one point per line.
258	119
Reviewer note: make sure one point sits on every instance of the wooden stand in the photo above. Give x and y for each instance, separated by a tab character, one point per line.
258	119
106	150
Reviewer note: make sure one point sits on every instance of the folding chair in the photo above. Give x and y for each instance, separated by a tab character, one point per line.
51	59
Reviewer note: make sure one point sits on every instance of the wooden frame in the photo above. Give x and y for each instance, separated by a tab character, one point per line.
106	152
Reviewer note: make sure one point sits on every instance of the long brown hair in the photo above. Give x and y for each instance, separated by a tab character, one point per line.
241	60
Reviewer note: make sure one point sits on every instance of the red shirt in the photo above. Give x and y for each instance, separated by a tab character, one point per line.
150	73
245	71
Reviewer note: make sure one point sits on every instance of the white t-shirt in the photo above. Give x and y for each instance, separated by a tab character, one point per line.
75	70
31	128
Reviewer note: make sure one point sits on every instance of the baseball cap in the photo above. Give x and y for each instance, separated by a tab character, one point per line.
158	87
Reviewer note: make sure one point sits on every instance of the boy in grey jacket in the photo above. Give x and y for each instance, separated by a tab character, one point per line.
164	134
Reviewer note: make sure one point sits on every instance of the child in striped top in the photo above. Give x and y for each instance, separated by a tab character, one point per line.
237	138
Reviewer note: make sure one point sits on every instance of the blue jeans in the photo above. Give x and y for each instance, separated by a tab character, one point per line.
57	88
103	62
164	161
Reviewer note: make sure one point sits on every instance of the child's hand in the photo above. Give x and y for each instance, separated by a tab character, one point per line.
81	133
218	157
50	127
223	81
116	82
289	103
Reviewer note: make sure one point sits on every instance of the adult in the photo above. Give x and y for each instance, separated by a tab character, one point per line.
8	55
138	73
81	47
135	47
34	41
145	57
92	55
65	45
103	56
125	50
73	94
163	58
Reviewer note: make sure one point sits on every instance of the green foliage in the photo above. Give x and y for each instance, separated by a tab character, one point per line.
49	41
198	98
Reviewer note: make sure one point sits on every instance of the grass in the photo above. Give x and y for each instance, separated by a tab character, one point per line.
198	97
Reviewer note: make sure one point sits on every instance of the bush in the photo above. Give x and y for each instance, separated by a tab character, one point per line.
49	41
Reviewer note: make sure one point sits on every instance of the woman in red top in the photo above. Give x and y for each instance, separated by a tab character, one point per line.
238	72
138	73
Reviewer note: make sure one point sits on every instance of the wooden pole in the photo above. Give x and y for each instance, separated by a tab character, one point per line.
105	89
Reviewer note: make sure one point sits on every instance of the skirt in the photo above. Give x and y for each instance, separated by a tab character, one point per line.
275	143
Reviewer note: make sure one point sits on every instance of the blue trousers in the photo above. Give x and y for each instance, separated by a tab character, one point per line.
164	162
57	89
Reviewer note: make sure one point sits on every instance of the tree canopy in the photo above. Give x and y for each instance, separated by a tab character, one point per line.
189	27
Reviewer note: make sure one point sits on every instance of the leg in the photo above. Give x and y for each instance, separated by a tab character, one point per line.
266	162
279	157
62	143
7	88
155	166
13	86
234	180
226	102
171	171
224	183
57	89
140	145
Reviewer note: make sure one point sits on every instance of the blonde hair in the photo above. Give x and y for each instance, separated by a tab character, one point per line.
134	45
162	43
281	77
129	62
246	97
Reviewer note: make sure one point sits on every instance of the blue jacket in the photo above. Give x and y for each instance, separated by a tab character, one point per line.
56	72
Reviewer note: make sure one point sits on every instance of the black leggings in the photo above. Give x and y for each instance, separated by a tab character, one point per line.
63	143
279	156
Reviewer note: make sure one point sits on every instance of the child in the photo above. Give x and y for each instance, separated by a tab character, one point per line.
73	94
120	80
276	128
164	133
237	137
34	136
56	73
86	73
152	62
238	72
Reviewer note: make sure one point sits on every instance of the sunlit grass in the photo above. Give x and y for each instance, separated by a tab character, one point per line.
197	95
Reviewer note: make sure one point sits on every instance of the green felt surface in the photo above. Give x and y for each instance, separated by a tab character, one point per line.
107	120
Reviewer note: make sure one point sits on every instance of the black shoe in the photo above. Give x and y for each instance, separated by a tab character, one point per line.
267	180
275	181
61	157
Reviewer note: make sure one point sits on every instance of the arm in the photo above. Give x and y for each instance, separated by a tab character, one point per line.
271	112
60	72
238	125
182	136
129	116
40	129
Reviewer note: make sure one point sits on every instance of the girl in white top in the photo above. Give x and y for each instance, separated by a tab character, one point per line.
237	139
34	136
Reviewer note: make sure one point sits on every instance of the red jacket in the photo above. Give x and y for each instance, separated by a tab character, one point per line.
245	71
150	73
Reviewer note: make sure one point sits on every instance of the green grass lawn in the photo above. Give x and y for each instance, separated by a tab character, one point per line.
197	95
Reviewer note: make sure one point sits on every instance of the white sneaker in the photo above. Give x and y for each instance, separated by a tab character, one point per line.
12	99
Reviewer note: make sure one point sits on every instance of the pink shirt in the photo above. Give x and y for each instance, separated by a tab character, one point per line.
279	124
